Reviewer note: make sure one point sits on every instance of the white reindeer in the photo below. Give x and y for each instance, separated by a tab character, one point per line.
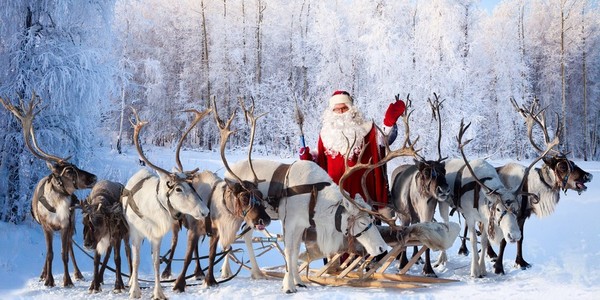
296	214
483	199
151	206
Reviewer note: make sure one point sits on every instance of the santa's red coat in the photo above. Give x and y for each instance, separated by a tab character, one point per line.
375	181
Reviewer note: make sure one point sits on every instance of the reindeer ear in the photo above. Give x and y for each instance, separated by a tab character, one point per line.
233	185
53	168
549	160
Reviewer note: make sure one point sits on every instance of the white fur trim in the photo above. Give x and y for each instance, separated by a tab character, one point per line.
340	98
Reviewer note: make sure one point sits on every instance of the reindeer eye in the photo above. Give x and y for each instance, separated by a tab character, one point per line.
179	189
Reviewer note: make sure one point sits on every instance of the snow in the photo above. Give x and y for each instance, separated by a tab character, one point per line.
564	250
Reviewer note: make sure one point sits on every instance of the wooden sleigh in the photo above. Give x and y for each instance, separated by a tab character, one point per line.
359	270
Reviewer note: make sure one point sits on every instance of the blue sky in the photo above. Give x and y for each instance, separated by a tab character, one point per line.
489	4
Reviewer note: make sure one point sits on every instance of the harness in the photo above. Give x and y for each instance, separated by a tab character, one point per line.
461	189
44	201
278	191
338	221
136	210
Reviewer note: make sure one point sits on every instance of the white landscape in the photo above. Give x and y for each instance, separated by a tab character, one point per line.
564	250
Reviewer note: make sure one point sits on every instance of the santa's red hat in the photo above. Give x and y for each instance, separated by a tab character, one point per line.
340	97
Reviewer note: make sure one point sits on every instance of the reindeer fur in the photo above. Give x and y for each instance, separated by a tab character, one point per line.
294	214
415	199
544	183
104	227
508	227
156	221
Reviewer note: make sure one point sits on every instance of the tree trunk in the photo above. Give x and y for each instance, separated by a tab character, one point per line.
564	138
260	9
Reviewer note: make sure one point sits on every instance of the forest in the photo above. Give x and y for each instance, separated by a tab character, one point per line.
91	61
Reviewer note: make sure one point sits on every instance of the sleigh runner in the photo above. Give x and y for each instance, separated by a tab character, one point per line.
360	270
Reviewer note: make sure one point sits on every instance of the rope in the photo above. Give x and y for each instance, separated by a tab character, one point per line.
221	255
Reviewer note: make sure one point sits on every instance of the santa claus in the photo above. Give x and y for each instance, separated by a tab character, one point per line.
344	124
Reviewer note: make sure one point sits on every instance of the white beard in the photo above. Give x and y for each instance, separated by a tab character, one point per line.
341	130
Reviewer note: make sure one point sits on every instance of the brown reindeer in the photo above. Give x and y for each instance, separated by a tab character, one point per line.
230	203
53	199
104	227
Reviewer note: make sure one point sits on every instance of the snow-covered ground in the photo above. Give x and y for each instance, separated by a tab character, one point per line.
563	248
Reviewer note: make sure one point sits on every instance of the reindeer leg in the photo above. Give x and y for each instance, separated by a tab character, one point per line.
166	274
179	285
256	272
210	277
76	272
491	253
427	269
519	261
198	272
498	265
134	286
291	241
104	264
128	254
66	242
158	291
119	286
225	268
403	257
95	285
415	251
475	272
463	250
47	272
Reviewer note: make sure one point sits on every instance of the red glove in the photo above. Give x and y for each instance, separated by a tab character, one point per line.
394	111
305	154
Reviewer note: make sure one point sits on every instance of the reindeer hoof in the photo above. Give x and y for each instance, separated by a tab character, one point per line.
301	285
78	276
179	286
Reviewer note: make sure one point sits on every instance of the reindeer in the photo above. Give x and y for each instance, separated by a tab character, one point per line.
557	173
417	188
104	227
53	198
230	203
491	203
151	204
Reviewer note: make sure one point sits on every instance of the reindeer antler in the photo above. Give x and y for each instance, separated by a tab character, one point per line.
225	132
533	115
197	119
251	118
461	146
435	111
137	127
407	150
26	115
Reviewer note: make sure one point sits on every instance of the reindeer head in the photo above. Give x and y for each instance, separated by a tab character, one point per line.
355	222
567	174
431	178
101	220
248	198
175	192
248	204
65	176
